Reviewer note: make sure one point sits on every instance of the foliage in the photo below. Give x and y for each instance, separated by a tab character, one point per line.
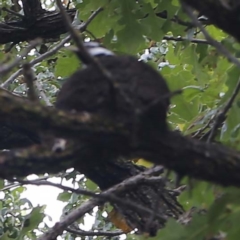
207	79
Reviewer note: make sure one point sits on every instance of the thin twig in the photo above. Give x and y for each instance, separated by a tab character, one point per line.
110	196
177	20
59	227
159	100
35	61
181	39
4	69
13	93
29	77
51	52
13	12
42	93
92	233
13	184
76	38
72	31
221	116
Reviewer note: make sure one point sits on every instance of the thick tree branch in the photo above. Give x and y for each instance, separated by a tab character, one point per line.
47	25
51	52
145	189
35	159
212	162
189	157
63	124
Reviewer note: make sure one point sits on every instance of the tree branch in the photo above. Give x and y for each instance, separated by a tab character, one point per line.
42	94
63	124
193	158
51	52
181	39
8	67
211	162
221	16
106	196
99	199
29	77
92	233
105	171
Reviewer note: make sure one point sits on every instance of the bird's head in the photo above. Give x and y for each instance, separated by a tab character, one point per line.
94	49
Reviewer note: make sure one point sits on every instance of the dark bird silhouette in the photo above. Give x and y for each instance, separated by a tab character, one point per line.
134	92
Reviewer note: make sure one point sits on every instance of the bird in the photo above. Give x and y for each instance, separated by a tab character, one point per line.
125	90
122	89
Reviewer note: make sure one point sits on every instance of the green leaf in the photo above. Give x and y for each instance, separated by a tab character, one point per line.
90	185
74	198
201	195
66	64
101	25
2	184
5	236
129	25
167	232
190	92
64	196
154	32
216	33
185	109
32	220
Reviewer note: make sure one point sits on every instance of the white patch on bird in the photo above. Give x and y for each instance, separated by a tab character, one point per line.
59	145
91	44
96	51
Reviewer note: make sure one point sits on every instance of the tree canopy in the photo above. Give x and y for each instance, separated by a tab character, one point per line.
179	185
